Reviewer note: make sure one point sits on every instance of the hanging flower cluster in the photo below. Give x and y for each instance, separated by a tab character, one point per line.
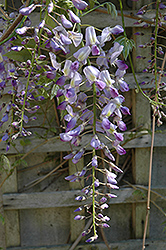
74	79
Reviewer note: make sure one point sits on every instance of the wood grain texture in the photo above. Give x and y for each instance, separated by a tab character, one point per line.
143	140
66	199
124	245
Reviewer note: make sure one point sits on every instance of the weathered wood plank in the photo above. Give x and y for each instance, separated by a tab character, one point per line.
141	116
11	218
67	199
143	140
123	245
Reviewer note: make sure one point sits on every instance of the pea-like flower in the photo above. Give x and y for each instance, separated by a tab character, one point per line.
79	4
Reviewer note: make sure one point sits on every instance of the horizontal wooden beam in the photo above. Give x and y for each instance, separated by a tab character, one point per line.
128	244
141	77
132	140
67	198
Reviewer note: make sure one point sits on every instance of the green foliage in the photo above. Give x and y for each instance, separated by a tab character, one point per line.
5	163
25	141
50	22
128	44
54	91
19	162
92	3
111	8
20	56
139	193
30	44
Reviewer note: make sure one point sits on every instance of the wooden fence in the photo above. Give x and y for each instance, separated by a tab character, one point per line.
37	204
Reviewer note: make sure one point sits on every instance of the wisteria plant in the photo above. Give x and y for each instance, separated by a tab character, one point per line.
88	87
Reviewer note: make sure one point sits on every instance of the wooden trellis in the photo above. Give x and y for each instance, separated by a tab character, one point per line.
44	220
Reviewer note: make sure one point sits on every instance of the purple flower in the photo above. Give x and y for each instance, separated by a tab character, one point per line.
66	23
114	167
108	110
5	137
103	199
5	118
95	142
114	52
111	195
104	225
90	36
100	84
125	110
75	37
80	198
50	7
22	31
78	156
118	136
116	30
65	137
82	54
75	66
94	161
96	183
62	105
50	74
119	149
55	64
109	185
104	206
91	73
79	217
121	125
121	64
78	209
17	48
69	156
76	131
74	18
105	77
71	178
108	154
65	39
79	4
95	50
27	10
123	85
41	24
162	6
61	81
83	172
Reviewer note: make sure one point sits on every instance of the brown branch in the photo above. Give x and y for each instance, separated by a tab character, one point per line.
132	16
13	25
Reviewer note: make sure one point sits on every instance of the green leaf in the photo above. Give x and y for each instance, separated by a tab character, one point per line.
17	42
25	142
127	43
20	56
5	163
50	22
111	9
54	91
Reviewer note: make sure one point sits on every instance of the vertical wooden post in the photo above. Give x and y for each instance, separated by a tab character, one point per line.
141	115
10	230
76	226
